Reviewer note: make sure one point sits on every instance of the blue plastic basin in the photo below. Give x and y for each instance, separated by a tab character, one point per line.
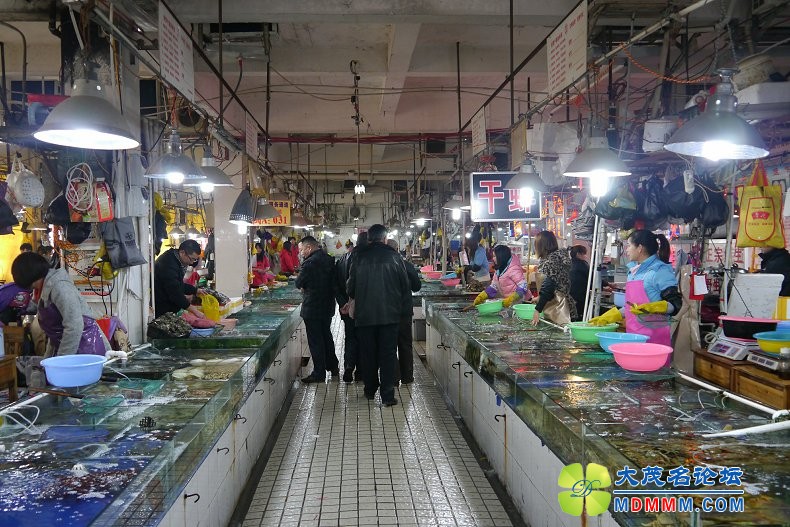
68	371
607	339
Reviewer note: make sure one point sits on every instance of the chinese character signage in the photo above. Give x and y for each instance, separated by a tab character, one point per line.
283	220
250	137
491	201
175	55
479	137
566	50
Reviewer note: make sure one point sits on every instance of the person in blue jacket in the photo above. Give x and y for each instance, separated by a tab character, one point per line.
651	291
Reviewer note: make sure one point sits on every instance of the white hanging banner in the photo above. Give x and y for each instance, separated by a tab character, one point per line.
176	65
566	50
479	138
251	137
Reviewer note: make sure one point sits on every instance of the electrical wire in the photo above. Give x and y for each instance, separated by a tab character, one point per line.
79	187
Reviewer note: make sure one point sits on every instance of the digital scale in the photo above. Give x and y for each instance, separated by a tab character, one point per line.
778	362
732	348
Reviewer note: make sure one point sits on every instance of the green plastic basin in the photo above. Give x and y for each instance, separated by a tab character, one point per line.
586	334
525	311
487	308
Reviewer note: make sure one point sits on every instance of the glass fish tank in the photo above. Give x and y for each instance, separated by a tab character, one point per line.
586	408
120	451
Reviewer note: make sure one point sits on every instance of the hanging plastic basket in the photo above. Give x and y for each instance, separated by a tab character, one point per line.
25	186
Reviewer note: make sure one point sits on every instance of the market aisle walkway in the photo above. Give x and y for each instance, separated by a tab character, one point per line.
331	466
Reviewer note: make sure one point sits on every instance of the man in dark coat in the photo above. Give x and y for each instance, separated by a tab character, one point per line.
350	342
405	371
170	291
777	261
315	279
380	288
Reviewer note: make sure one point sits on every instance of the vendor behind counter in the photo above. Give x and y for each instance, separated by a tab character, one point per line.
63	314
170	291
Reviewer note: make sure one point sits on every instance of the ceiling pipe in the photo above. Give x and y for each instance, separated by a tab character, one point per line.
221	68
639	36
636	38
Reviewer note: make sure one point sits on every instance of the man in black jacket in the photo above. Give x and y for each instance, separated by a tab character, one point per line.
405	372
318	306
170	291
777	261
380	288
350	342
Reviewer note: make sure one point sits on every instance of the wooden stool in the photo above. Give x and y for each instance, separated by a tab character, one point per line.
8	376
14	338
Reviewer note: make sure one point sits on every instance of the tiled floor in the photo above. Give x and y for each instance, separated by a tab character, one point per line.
343	460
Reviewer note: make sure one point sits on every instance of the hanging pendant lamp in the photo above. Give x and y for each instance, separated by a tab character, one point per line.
597	161
265	211
87	120
298	220
719	133
242	212
176	232
214	177
173	165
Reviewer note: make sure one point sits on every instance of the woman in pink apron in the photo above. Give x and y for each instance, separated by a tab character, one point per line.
508	282
651	292
63	314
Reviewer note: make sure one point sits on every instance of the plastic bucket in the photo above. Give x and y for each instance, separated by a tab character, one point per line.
68	371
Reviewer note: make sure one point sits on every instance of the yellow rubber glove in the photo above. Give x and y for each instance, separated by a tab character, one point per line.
660	307
613	316
512	299
482	297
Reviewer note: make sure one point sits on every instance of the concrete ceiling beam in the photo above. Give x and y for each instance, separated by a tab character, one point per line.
425	60
403	42
477	12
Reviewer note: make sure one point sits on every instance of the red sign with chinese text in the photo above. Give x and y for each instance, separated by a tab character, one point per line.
491	201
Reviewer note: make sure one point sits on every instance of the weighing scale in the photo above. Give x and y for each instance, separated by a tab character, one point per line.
732	348
778	362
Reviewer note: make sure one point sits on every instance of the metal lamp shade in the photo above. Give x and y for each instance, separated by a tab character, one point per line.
242	212
298	220
87	120
265	210
526	180
422	215
174	163
214	177
176	232
454	204
597	162
718	134
192	232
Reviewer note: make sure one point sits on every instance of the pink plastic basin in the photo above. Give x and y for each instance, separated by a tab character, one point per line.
432	275
638	356
451	282
426	268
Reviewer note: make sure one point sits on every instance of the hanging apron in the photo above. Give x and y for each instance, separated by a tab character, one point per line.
51	322
635	294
